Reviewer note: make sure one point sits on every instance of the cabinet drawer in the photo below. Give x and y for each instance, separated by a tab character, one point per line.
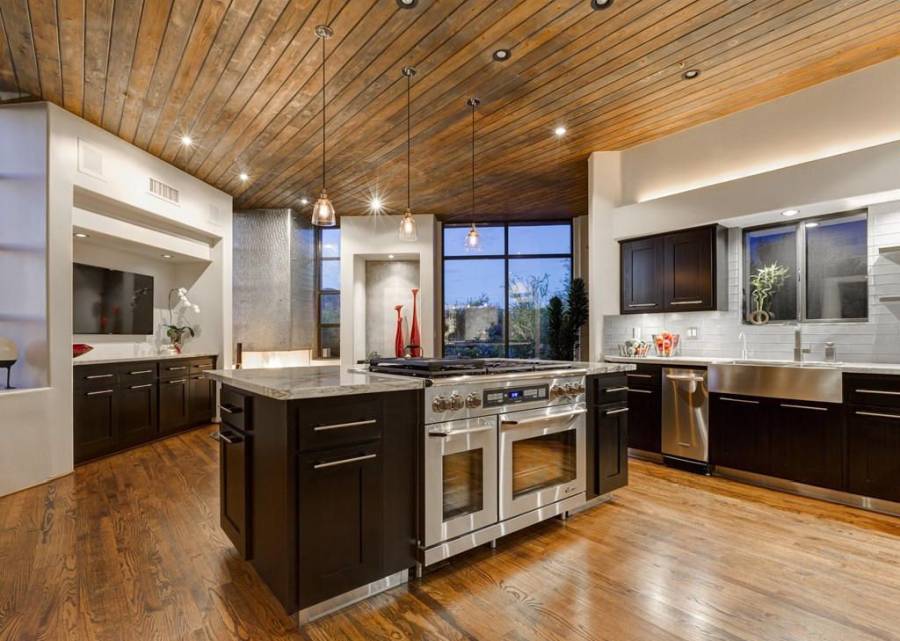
332	422
174	369
235	409
95	376
646	376
610	389
136	374
200	365
878	391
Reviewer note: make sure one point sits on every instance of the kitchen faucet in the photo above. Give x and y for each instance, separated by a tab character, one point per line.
799	350
745	354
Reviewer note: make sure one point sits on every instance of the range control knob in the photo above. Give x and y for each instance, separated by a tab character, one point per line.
579	388
440	404
456	402
571	389
473	401
557	392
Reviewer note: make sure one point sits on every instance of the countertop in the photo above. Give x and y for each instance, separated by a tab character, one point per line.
703	361
291	383
83	360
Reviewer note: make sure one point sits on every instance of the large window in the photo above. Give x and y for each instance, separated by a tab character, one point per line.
811	270
328	290
496	296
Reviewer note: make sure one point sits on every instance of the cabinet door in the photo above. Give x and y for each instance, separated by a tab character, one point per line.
644	420
873	453
95	423
174	405
234	487
340	516
202	395
807	443
137	413
611	437
642	289
689	273
739	433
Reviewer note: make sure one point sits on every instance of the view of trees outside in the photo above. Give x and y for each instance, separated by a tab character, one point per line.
480	300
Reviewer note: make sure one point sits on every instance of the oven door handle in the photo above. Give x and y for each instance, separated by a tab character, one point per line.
471	430
543	419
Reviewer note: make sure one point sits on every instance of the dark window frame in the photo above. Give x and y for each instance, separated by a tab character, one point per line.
506	256
800	229
320	259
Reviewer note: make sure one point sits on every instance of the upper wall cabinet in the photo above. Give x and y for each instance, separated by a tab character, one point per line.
684	271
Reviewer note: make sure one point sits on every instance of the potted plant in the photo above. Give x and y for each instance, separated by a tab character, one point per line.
766	282
176	332
565	320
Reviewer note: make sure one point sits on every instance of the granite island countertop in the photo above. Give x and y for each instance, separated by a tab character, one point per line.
292	383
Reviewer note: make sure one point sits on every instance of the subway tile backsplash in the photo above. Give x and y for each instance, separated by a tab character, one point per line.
876	340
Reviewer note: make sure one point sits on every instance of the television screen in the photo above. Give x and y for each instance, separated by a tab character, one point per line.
107	301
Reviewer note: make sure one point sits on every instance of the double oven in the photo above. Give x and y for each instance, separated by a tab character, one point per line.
500	455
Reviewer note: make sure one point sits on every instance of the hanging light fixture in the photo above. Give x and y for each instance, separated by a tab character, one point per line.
408	224
472	238
323	210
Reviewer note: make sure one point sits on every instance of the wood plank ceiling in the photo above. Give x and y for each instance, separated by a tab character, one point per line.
243	79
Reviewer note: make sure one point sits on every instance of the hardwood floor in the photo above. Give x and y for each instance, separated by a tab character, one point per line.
129	548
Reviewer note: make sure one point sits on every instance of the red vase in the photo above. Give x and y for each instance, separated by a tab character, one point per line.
398	337
415	341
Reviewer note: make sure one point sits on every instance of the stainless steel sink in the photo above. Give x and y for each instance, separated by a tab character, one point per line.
809	381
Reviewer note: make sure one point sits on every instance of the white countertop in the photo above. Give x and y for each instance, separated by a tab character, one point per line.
85	360
702	361
290	383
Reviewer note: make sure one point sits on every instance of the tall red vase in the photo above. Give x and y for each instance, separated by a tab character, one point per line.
415	341
398	337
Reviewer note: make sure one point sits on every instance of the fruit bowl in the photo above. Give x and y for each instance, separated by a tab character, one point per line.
667	343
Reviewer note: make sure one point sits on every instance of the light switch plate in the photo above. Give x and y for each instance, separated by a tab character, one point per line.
693	332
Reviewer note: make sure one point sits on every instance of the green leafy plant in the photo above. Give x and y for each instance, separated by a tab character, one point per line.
176	335
765	283
565	321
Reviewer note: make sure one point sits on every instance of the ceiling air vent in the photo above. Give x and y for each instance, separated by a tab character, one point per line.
90	160
164	191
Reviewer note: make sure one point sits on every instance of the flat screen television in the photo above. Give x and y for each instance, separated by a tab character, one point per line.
107	301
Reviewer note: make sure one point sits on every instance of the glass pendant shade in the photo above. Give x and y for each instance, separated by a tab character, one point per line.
323	212
408	227
472	238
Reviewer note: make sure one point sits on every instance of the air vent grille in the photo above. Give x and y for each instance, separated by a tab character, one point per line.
90	159
164	191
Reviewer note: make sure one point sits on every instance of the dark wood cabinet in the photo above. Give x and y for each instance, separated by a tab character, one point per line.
739	433
873	452
644	420
202	399
806	443
235	457
174	405
642	275
95	422
683	271
611	433
137	413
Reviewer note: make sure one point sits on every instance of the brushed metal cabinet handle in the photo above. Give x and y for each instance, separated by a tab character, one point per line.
877	391
145	386
804	407
176	369
230	410
879	415
338	426
222	436
141	371
621	410
613	390
634	305
639	391
94	377
738	400
687	302
175	382
319	466
640	375
100	392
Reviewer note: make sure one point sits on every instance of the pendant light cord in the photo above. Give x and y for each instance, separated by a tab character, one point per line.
474	104
323	114
408	142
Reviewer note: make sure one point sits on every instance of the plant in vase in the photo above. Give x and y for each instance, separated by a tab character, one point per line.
766	282
175	331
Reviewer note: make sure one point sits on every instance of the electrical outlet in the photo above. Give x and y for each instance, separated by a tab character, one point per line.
693	333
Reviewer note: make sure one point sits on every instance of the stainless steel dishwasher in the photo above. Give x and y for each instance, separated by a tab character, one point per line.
685	415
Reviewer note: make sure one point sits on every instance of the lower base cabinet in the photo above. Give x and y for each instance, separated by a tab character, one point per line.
96	422
137	413
739	433
174	405
235	456
607	437
873	452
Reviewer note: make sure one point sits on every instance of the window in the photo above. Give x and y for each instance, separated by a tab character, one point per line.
811	270
495	297
328	290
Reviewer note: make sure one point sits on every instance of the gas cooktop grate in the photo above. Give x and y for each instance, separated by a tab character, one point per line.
442	367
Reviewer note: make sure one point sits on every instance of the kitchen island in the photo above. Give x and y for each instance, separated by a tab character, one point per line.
324	472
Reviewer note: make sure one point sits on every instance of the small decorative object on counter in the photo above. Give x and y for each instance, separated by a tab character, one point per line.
80	349
9	354
398	335
174	331
634	347
415	341
766	282
667	343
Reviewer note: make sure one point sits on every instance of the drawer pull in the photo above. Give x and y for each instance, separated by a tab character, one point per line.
230	410
338	426
145	386
203	366
877	391
634	305
141	371
95	377
686	302
176	369
640	375
878	415
621	410
738	400
231	439
319	466
100	392
177	381
805	407
639	391
613	390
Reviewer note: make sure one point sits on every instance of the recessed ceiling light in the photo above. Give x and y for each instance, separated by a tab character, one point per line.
790	212
244	177
391	256
601	4
812	224
187	141
167	255
407	4
375	204
502	55
690	74
304	201
560	131
79	234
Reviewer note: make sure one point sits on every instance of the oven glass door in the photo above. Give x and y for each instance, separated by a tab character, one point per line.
460	478
542	457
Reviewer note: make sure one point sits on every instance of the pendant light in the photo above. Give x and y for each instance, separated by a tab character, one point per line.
472	238
323	210
408	224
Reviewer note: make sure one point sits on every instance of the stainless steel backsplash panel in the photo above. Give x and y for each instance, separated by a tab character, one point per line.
797	383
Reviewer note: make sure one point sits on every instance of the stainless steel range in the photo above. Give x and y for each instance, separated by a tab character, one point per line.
504	444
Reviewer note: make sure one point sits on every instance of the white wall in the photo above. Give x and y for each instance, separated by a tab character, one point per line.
725	159
36	426
375	237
